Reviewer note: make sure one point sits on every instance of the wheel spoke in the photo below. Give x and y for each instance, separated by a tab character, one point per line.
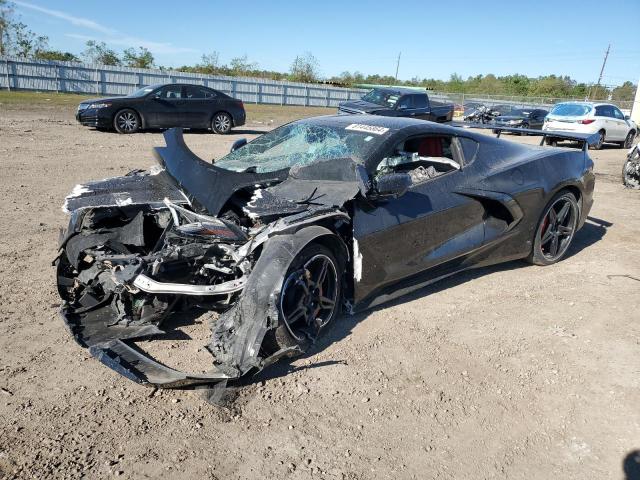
548	234
300	311
564	230
325	302
323	272
553	248
562	214
552	216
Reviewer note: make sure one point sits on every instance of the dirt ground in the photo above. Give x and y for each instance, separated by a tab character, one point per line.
512	371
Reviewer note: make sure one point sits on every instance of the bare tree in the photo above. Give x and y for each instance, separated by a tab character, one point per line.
98	52
210	62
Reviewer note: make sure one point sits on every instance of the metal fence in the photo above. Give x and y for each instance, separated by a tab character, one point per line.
101	80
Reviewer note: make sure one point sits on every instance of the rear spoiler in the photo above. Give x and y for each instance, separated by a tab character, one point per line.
585	139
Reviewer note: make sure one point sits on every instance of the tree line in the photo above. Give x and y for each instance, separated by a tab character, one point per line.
18	40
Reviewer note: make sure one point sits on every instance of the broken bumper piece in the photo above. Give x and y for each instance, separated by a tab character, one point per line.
112	346
142	369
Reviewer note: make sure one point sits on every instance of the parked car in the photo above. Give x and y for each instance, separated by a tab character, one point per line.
321	214
588	117
525	118
399	102
164	106
469	107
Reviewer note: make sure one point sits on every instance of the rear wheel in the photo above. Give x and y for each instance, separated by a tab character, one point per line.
126	121
525	126
600	143
310	298
221	123
628	142
556	229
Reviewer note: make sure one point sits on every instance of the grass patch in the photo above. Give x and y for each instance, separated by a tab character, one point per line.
41	98
264	114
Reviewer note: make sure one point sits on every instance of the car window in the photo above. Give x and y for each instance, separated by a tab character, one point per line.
195	92
406	102
420	101
605	111
423	158
170	92
571	110
618	114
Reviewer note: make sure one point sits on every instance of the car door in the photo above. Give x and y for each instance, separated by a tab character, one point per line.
428	227
198	107
537	118
621	123
165	107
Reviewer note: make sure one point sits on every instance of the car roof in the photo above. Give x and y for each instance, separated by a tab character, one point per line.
593	104
401	90
392	123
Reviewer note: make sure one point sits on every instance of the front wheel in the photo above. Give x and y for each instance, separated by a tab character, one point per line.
556	229
310	298
221	123
126	121
524	126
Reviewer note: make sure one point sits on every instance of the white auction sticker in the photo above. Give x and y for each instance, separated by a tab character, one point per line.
359	127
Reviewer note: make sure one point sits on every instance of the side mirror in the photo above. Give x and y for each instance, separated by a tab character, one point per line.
627	117
241	142
393	184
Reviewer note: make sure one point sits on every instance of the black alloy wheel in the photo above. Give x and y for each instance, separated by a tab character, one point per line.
556	229
310	298
126	121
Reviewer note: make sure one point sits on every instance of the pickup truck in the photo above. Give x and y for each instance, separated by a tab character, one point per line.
399	102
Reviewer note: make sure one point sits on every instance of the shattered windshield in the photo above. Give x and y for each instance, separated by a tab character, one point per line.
380	97
302	144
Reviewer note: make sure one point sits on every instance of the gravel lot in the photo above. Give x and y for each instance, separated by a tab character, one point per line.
512	371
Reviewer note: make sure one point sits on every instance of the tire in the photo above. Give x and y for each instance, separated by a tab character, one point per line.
301	332
631	174
555	222
524	125
628	142
126	121
552	142
221	123
600	143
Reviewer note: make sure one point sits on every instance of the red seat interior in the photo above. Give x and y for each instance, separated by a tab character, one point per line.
430	147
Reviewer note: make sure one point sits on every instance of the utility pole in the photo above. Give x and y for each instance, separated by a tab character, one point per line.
398	65
604	62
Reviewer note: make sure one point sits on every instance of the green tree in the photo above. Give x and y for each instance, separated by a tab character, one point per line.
15	37
99	53
305	68
143	58
626	91
56	55
239	66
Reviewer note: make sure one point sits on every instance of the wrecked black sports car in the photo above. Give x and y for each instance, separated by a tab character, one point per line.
318	216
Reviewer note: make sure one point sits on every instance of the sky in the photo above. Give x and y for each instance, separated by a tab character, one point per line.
436	38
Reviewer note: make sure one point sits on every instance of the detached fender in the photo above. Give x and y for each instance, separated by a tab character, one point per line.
238	333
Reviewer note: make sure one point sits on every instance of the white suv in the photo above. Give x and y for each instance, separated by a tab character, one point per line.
587	117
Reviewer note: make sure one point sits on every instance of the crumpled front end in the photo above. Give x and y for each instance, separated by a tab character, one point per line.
130	259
